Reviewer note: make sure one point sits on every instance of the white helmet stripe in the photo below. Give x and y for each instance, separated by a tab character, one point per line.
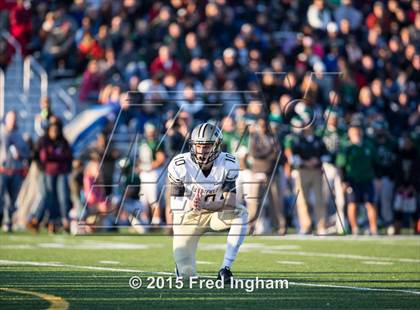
202	130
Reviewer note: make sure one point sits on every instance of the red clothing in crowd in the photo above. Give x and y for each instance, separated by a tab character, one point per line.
170	66
91	49
95	195
55	156
20	20
91	84
7	4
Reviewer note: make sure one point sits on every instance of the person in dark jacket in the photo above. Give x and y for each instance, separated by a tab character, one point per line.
305	153
55	158
264	151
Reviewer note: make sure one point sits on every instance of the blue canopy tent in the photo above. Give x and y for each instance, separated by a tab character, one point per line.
83	129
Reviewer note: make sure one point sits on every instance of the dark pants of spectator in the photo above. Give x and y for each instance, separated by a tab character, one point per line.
49	61
9	185
55	199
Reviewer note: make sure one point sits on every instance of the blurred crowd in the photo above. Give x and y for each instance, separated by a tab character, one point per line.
318	100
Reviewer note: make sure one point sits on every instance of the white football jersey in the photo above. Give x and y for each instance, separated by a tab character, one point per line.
186	177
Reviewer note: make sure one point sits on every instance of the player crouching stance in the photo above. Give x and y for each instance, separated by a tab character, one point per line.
203	198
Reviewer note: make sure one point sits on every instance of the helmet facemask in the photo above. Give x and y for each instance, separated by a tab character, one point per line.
205	160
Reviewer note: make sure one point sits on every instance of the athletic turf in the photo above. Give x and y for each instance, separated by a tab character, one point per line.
93	272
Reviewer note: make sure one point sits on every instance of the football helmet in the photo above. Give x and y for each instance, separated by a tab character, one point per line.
205	134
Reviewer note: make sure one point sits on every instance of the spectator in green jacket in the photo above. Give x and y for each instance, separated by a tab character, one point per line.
357	161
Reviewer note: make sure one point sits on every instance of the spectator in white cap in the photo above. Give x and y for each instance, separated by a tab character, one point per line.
150	164
318	15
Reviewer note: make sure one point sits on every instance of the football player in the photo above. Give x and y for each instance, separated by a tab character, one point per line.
203	198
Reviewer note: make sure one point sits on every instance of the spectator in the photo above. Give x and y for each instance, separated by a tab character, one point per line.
107	155
193	49
334	137
130	210
305	152
318	15
378	17
55	158
94	192
357	161
238	144
150	161
89	48
6	53
177	134
407	185
166	63
91	82
59	43
176	142
386	148
44	117
190	100
76	187
21	24
264	150
14	156
346	11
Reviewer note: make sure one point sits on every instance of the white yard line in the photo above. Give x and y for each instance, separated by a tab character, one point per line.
249	246
86	245
288	262
341	238
377	263
109	262
45	264
203	262
343	256
357	288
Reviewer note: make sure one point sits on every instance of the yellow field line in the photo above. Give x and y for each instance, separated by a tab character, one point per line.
57	303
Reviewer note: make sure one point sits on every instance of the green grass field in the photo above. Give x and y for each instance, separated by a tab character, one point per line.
93	272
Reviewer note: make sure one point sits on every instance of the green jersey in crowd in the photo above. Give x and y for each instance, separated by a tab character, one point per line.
357	161
147	152
236	143
333	138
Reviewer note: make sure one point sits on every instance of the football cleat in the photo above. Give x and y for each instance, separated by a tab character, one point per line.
225	274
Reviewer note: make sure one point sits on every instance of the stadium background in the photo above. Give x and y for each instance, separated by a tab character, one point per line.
237	63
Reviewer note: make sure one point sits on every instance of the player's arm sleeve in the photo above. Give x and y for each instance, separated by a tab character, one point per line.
232	171
176	184
175	176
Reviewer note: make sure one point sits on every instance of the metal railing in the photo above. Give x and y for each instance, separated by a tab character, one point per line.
68	102
2	90
18	52
31	64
